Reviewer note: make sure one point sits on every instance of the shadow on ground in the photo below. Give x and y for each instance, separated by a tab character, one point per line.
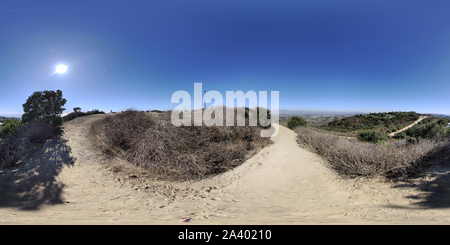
434	186
33	182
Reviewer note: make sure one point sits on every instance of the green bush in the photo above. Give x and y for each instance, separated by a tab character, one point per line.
332	124
401	135
443	121
431	131
9	126
372	136
22	140
296	121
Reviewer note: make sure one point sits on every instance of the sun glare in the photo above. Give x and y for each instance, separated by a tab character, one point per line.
61	69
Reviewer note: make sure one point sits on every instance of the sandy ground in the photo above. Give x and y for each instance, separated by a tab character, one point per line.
69	182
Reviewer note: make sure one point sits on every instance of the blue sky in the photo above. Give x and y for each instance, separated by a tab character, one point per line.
320	55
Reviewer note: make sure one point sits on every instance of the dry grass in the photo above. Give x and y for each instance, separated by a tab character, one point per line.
354	158
334	133
152	142
24	140
74	115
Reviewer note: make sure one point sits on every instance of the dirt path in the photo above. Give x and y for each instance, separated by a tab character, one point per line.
405	128
67	183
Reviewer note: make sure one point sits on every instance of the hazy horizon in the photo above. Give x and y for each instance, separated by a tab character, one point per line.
353	56
293	111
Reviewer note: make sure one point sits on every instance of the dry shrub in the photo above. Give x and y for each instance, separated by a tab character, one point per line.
74	115
152	142
334	133
354	158
24	140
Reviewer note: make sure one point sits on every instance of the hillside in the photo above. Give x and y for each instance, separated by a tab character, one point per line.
67	181
438	115
3	118
385	122
307	113
315	120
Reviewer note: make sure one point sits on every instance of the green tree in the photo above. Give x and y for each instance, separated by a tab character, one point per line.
296	121
44	106
77	109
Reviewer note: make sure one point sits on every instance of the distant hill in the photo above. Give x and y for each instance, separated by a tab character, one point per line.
315	113
4	118
437	115
385	122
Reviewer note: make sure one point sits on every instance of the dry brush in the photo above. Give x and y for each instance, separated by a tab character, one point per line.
354	158
152	142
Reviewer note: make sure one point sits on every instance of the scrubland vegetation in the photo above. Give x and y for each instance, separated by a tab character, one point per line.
355	158
149	140
379	122
312	120
145	139
373	152
373	136
430	128
152	142
9	125
17	139
296	121
40	122
78	113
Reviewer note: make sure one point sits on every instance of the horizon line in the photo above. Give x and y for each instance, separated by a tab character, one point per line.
289	110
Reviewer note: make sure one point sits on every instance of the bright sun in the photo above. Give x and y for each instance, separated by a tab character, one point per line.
61	69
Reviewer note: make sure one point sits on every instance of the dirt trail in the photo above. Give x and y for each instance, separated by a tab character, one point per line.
66	182
405	128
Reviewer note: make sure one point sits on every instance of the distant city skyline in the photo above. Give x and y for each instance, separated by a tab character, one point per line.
321	55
